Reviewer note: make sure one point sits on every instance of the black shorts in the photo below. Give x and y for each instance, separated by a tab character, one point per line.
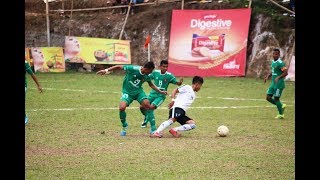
179	114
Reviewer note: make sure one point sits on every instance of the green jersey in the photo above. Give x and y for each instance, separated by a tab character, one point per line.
276	70
162	81
132	83
28	70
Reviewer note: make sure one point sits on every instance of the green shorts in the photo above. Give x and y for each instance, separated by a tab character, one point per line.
128	98
275	92
156	100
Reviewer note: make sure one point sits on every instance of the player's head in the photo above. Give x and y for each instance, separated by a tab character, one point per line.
164	66
276	54
147	68
197	82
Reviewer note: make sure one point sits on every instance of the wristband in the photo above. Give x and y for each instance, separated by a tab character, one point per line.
173	99
106	70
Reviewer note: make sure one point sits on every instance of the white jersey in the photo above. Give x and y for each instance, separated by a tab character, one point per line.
185	97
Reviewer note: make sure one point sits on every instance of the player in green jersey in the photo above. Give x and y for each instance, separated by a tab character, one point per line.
161	79
132	88
278	73
35	79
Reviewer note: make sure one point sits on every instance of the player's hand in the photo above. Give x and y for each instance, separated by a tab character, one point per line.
103	72
164	92
181	80
40	89
265	79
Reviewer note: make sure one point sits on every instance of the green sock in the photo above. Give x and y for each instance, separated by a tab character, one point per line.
123	116
151	119
279	107
143	111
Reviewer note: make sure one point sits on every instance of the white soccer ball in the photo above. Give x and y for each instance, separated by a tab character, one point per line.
223	131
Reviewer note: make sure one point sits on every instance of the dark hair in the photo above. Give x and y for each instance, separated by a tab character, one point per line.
163	62
149	65
197	79
277	50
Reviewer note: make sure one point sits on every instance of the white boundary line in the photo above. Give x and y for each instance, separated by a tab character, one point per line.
162	108
209	97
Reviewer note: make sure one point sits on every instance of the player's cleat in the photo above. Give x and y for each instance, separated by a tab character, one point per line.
143	124
152	131
280	116
156	135
26	119
283	107
174	133
124	131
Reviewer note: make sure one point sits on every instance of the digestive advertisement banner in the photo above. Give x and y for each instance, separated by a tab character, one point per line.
209	42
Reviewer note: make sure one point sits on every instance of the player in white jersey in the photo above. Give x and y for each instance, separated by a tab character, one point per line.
178	107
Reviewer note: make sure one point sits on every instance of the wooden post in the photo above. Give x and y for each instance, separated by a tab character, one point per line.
48	22
125	21
182	4
282	7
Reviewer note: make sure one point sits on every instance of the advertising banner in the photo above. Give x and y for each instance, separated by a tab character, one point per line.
209	42
96	50
48	59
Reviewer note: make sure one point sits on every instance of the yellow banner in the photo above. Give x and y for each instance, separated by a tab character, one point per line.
48	59
96	50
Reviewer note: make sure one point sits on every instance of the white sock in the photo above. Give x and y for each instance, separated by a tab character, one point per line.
164	125
185	127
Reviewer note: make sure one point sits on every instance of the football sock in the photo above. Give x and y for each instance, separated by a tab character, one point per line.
151	119
279	107
164	125
185	127
123	116
144	112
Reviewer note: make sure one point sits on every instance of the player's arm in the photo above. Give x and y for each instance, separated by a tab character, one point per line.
108	70
156	88
267	77
284	74
180	82
35	79
173	95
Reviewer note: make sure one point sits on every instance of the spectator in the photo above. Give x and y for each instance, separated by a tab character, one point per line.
119	2
292	5
135	8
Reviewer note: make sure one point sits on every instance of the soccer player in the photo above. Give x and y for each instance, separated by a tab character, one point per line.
161	79
35	79
178	107
132	88
278	73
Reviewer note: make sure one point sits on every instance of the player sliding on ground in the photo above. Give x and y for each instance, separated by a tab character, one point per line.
178	107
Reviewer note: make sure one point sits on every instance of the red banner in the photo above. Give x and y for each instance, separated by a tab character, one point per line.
209	42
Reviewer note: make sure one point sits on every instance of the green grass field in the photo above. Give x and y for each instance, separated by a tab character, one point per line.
74	132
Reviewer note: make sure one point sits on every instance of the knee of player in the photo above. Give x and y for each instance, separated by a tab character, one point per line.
121	108
150	107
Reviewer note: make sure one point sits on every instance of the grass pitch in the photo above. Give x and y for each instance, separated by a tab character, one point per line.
74	132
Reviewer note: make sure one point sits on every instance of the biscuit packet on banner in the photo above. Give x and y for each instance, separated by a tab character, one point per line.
207	46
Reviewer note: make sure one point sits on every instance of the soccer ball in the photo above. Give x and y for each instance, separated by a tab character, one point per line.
223	131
